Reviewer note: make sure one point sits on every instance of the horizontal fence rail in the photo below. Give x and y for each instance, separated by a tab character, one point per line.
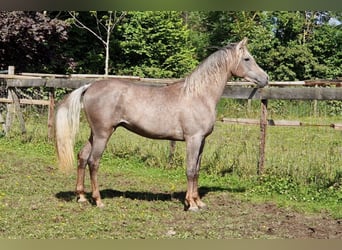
233	90
285	93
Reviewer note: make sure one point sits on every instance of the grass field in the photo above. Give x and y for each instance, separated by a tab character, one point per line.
299	196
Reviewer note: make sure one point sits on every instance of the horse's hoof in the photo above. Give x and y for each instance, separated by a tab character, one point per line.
203	207
193	209
100	205
81	199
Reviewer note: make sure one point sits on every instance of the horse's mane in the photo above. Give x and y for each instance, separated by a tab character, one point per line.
212	70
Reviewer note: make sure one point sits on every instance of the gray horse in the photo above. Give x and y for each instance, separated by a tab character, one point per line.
182	111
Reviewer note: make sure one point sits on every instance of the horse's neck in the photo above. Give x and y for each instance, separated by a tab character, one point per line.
215	90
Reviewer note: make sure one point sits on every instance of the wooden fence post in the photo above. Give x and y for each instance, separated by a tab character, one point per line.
17	110
13	108
11	70
51	114
2	124
315	105
263	128
10	107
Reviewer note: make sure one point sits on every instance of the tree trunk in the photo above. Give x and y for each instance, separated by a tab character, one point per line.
107	52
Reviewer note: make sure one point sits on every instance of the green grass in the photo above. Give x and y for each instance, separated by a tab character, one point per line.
143	192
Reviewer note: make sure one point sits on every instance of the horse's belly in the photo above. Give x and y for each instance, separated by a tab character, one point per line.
155	129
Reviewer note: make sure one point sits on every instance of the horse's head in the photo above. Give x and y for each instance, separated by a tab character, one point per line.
246	66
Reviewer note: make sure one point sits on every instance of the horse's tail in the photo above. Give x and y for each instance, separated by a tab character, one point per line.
66	128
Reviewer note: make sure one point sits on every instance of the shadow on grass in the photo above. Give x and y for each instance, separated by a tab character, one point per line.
69	196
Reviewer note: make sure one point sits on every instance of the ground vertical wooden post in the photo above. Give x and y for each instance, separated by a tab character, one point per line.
51	115
315	105
2	124
10	107
249	105
11	70
263	128
13	108
9	114
17	109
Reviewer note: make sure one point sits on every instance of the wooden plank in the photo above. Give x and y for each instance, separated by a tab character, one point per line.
275	83
67	83
283	123
286	93
25	101
337	126
34	102
337	83
161	81
83	76
6	100
241	93
301	93
270	122
234	92
310	83
25	82
241	121
6	76
40	75
52	82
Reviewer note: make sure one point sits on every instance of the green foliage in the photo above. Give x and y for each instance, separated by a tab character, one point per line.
270	185
289	45
154	44
326	46
334	108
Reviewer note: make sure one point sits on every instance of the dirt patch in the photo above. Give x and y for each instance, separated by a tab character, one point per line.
290	224
267	220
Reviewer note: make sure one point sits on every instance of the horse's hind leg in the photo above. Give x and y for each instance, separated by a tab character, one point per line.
83	156
98	146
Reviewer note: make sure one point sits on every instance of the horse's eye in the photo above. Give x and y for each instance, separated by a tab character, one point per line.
246	59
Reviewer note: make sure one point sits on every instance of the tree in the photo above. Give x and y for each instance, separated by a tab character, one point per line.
308	47
154	44
105	24
31	41
225	27
326	46
197	23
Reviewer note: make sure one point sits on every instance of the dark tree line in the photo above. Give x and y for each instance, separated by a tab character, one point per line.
289	45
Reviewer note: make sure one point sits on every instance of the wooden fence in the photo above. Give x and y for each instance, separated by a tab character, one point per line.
298	90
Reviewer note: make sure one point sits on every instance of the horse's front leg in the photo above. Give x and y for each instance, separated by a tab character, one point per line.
83	156
194	149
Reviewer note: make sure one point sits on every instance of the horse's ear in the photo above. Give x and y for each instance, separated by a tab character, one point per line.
242	43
